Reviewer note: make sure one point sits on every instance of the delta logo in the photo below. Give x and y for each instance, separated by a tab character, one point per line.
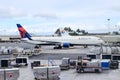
62	31
22	32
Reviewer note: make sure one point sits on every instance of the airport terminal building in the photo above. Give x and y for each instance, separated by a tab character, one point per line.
9	38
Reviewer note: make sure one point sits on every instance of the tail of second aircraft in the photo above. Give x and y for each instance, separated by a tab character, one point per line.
23	32
63	32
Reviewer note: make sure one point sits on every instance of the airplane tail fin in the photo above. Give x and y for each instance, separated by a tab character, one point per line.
63	32
23	32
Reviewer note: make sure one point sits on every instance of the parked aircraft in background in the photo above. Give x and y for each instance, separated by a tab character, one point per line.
60	41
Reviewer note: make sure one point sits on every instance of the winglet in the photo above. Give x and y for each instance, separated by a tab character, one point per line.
23	32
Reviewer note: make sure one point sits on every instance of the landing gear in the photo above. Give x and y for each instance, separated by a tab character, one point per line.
85	46
58	47
37	46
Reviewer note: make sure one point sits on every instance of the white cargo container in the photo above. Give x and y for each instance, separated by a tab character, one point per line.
9	74
111	38
12	74
47	72
118	50
105	50
40	72
65	64
114	50
53	71
2	48
2	74
19	50
65	61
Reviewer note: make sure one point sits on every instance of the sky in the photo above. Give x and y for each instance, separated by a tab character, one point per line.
45	16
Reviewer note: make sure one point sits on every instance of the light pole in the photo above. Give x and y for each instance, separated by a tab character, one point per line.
109	26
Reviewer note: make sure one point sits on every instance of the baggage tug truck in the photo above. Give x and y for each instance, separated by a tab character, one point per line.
88	66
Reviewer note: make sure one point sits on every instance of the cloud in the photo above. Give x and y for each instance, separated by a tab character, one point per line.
11	31
11	12
46	15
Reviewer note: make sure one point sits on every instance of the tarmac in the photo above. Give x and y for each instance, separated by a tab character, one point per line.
47	52
27	74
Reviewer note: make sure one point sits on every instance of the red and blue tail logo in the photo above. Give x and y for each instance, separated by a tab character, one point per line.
62	31
23	32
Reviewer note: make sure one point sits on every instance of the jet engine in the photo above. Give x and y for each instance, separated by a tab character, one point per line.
67	45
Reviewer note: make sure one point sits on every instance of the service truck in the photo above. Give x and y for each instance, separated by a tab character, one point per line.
88	66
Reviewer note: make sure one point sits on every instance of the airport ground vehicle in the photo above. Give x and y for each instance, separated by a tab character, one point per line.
95	65
65	64
88	65
21	61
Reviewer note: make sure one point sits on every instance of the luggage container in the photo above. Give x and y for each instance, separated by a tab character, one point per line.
65	61
2	76
114	50
5	63
114	64
12	74
65	64
53	72
47	73
40	73
35	64
19	50
95	50
9	74
118	50
105	50
105	64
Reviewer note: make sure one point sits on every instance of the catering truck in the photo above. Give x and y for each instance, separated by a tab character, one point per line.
88	66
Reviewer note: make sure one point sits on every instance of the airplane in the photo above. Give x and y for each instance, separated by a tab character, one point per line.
60	41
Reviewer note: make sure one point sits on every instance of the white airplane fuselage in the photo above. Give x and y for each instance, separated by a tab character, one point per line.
76	40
